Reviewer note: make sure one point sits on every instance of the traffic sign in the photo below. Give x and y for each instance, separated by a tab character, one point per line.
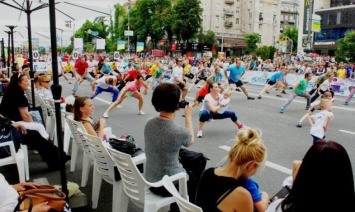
35	55
128	33
116	55
75	55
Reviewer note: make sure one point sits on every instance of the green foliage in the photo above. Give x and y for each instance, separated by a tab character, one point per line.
208	38
346	48
292	33
187	19
42	50
251	40
89	47
266	52
68	49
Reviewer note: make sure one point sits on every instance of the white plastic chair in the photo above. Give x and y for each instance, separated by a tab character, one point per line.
76	145
103	169
67	133
137	187
20	158
184	204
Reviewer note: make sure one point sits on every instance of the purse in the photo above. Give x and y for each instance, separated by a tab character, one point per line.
124	144
44	193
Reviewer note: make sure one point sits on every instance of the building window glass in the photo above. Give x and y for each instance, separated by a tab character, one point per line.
237	21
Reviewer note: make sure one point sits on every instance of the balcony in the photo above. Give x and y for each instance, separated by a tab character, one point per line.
228	23
228	13
291	21
282	21
231	2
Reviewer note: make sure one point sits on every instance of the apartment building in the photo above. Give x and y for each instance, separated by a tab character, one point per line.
337	18
231	20
289	14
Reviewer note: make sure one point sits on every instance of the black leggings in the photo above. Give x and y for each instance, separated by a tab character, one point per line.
48	151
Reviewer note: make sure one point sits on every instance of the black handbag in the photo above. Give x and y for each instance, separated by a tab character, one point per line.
124	144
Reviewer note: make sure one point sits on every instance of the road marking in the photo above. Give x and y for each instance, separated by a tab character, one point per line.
345	131
105	101
268	163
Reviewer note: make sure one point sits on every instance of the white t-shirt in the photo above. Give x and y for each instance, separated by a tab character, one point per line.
325	85
177	72
91	65
319	121
223	102
8	196
101	82
209	98
59	61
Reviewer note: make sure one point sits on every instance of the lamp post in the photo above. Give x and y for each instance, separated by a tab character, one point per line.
3	52
12	44
309	45
129	8
8	53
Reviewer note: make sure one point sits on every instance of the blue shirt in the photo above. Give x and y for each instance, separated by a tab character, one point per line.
235	72
253	188
276	76
218	77
106	69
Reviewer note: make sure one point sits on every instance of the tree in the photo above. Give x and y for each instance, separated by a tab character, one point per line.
266	52
346	48
292	33
208	38
187	19
251	40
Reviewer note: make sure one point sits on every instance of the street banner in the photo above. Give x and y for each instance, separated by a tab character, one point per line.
35	55
78	43
121	44
100	43
140	46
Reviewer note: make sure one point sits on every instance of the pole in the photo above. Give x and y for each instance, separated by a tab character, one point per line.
30	52
12	44
3	52
8	53
129	8
310	12
57	92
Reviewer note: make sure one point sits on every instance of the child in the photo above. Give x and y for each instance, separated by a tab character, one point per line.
225	101
321	120
315	106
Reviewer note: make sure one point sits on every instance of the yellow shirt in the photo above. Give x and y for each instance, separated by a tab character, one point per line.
341	73
153	69
187	69
113	66
68	67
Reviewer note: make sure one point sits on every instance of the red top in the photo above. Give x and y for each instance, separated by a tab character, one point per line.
203	91
66	58
80	67
132	75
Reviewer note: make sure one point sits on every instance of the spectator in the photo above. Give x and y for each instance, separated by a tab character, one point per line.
221	189
324	182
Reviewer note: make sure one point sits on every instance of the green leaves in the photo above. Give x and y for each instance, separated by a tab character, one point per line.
251	40
346	48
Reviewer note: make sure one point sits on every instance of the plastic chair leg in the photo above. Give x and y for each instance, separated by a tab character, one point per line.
67	138
74	156
96	187
21	168
25	157
85	170
119	194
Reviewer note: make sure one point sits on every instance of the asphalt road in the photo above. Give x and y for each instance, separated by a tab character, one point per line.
284	141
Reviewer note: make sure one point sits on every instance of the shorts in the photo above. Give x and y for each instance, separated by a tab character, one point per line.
238	83
189	75
200	98
202	78
270	82
181	86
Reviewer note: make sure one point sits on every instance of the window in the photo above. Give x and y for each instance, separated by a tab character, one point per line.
68	24
274	40
260	27
237	11
217	18
237	21
249	26
250	15
250	4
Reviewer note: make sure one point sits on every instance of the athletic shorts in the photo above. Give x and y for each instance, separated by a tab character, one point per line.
189	75
181	86
270	82
238	83
200	98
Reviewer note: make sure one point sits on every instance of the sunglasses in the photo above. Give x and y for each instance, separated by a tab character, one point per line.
46	81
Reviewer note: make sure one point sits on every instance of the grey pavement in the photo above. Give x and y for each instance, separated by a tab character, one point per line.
284	141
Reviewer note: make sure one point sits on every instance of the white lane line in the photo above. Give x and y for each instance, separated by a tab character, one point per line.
105	101
345	131
268	163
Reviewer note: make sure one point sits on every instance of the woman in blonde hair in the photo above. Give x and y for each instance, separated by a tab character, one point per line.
44	87
222	188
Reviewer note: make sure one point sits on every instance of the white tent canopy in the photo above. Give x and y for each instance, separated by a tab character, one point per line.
75	11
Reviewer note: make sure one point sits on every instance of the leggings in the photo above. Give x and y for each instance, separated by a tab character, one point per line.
351	94
205	115
292	97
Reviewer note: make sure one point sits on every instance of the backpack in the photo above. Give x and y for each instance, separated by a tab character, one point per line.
194	163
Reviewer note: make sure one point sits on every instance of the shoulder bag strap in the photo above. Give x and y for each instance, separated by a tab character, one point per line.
17	208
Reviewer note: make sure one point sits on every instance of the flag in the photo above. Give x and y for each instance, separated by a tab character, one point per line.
140	46
121	44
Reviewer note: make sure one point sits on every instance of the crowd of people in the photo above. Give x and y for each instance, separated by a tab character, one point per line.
228	187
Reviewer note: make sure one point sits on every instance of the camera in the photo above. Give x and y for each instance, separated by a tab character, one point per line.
183	104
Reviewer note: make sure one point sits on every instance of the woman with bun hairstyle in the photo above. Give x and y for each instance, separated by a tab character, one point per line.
222	188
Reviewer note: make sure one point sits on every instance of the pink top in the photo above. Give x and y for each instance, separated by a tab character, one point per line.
132	86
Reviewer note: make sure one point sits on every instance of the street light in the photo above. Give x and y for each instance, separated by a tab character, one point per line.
129	8
12	44
8	52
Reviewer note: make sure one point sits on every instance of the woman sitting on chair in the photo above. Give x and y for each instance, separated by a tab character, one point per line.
83	109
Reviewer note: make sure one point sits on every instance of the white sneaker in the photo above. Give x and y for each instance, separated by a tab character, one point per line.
105	115
199	134
35	152
141	112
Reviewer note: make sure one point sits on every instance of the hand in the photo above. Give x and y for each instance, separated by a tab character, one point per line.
102	122
20	127
145	92
93	93
188	110
22	186
42	207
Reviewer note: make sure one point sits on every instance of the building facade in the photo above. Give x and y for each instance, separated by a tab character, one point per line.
231	20
337	18
289	14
